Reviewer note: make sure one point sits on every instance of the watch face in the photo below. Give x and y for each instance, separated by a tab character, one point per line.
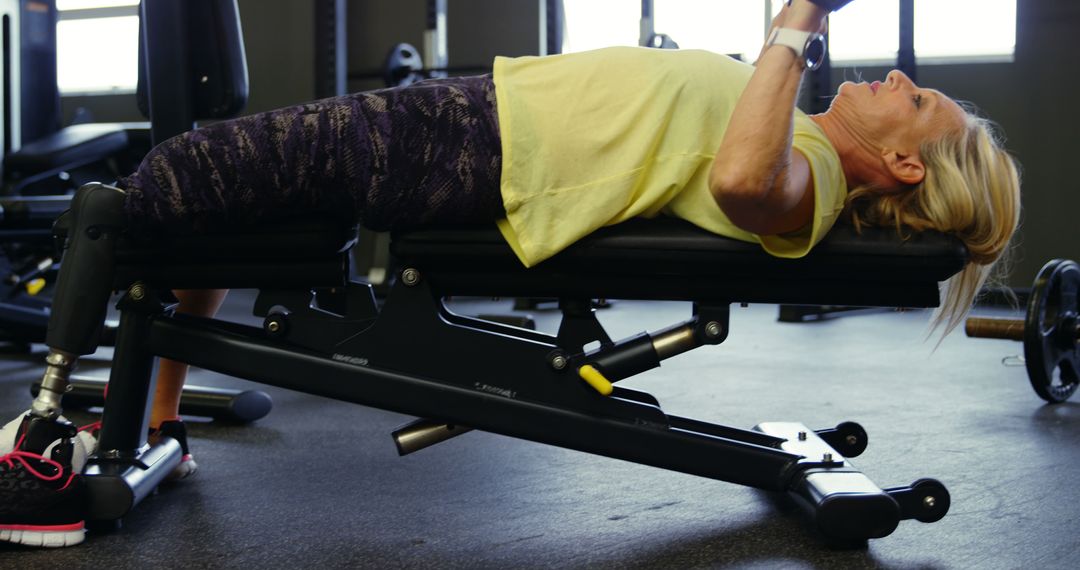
815	51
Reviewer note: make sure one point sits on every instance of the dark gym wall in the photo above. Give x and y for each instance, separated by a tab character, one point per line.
479	30
1040	105
1028	98
279	39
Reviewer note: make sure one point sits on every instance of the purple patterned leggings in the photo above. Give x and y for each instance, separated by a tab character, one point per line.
426	154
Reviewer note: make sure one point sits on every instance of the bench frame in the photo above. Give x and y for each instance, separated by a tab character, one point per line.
331	338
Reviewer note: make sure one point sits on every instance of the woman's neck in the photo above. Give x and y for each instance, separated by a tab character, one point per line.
859	157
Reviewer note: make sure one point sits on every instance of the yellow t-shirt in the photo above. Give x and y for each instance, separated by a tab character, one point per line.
595	138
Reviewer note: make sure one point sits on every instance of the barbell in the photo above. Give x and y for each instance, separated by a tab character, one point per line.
1050	331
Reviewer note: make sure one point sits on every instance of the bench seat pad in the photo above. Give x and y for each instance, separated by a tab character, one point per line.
672	259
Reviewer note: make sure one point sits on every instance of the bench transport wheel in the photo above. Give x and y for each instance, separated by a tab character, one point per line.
849	438
926	500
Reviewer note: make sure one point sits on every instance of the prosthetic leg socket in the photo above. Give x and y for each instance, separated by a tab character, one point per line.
82	288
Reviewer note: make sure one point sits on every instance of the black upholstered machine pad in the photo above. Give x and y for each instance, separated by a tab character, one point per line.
663	259
671	259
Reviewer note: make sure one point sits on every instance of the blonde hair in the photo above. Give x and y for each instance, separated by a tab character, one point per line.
971	191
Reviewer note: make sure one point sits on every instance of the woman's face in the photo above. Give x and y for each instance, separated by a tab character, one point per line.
897	113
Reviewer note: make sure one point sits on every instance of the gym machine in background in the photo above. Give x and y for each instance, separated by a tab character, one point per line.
648	36
47	162
405	64
39	156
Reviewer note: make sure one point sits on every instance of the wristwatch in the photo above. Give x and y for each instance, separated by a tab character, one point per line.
809	47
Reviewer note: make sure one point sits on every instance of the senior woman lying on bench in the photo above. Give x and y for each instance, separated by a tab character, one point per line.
551	149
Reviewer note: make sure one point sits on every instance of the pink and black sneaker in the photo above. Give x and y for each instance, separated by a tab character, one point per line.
42	498
176	430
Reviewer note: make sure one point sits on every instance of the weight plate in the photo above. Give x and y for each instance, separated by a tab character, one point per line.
1051	348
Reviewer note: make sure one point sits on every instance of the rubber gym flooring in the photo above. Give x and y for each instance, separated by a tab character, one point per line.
318	483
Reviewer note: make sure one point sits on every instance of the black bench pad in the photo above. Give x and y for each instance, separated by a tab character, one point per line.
663	259
293	253
671	259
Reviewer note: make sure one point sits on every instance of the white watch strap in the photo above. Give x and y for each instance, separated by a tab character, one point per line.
794	39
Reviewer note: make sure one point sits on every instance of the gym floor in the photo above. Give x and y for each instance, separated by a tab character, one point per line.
318	483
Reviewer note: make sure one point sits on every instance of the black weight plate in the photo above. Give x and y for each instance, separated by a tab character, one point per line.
1051	350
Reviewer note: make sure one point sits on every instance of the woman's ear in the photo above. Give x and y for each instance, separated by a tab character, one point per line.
905	168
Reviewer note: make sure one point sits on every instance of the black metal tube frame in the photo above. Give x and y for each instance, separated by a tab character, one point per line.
487	376
729	454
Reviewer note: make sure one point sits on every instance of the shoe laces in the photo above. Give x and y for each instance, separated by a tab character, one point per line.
24	457
96	426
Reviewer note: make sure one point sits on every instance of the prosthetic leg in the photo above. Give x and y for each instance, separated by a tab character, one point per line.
123	459
82	291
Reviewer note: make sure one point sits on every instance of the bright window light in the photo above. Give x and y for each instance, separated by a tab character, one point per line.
988	30
722	26
97	55
62	5
864	31
592	24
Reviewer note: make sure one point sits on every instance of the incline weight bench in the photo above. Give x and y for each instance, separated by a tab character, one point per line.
326	336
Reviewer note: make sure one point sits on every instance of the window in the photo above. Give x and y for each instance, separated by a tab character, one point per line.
860	33
867	32
97	46
722	26
592	24
988	29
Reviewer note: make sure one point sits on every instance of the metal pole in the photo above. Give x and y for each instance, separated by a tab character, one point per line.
554	26
166	68
435	50
648	23
905	57
330	50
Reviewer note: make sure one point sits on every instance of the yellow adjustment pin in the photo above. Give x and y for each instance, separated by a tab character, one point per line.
34	286
594	378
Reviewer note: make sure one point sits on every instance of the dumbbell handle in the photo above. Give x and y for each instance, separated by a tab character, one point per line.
981	327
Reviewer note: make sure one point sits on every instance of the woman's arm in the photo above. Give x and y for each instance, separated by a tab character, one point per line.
760	183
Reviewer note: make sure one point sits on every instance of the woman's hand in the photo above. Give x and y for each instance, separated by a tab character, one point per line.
799	15
805	15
